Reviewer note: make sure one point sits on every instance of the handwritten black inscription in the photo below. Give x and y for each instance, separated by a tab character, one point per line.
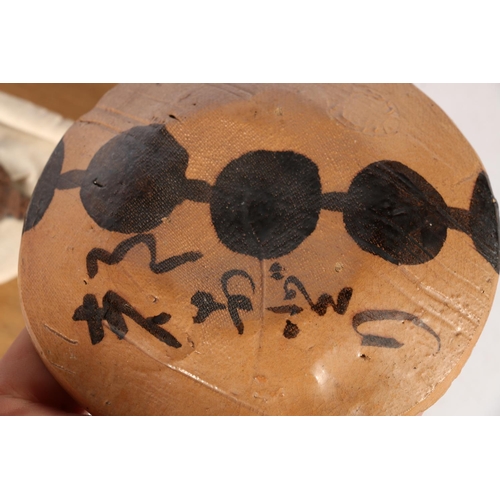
206	303
118	254
275	270
325	300
382	315
291	330
320	307
112	310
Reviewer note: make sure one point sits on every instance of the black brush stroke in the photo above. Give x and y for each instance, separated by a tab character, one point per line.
118	254
325	300
291	310
112	310
384	315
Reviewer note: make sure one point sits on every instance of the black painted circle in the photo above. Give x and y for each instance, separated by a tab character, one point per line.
393	212
266	203
135	180
45	187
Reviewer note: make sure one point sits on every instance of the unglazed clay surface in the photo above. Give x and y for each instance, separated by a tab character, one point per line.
260	249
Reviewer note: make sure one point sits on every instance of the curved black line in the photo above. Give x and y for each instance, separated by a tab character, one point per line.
383	315
237	302
290	294
118	254
206	305
324	301
234	272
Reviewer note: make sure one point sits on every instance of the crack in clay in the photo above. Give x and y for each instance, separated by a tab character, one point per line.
204	383
383	277
432	152
471	177
121	113
261	330
61	367
454	274
60	335
241	89
431	310
443	378
229	91
435	294
263	302
156	99
105	125
184	97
